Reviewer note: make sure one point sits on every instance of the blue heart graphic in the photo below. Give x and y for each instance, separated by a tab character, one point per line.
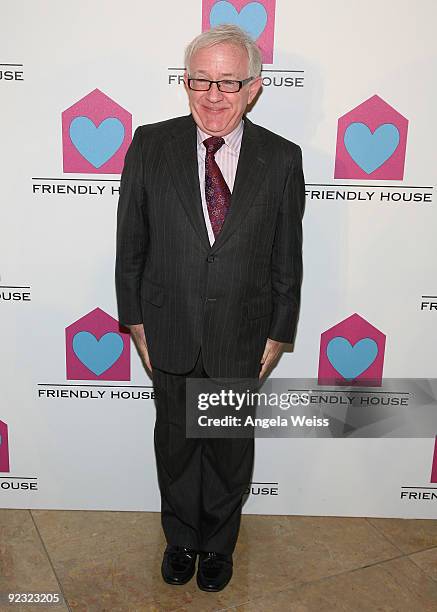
351	361
97	355
252	18
97	144
370	150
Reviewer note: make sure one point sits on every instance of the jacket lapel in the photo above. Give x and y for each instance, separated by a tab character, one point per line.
181	153
250	174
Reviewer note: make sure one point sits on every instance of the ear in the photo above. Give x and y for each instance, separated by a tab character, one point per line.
186	81
254	88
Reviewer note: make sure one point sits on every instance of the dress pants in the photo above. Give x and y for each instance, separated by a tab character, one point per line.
202	480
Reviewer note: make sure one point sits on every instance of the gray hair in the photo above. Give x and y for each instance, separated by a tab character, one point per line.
230	34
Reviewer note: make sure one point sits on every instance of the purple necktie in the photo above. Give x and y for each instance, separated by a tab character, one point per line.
217	194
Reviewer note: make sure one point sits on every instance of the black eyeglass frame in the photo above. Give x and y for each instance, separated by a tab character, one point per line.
240	83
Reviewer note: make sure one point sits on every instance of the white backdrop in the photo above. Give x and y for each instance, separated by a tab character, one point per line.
84	441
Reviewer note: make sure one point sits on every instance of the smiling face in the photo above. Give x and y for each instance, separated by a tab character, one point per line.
215	112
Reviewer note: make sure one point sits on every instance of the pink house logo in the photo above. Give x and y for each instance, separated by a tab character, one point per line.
97	348
4	448
434	463
371	142
96	133
256	18
351	352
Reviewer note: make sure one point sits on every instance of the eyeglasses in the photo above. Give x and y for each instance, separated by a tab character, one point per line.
225	86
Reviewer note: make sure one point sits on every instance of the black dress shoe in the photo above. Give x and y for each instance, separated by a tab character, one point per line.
214	571
178	564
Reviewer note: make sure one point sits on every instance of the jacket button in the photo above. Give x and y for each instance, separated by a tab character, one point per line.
210	258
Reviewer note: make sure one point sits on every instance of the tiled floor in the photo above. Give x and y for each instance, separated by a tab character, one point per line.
110	561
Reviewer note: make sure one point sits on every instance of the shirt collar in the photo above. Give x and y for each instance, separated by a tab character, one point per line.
232	140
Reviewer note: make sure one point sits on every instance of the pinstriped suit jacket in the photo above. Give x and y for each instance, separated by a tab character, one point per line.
227	298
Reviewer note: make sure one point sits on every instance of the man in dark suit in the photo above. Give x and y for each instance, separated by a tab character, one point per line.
208	276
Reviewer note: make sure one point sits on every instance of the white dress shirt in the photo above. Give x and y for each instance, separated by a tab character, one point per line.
227	160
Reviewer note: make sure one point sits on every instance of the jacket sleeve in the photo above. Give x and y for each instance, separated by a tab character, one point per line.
286	263
132	235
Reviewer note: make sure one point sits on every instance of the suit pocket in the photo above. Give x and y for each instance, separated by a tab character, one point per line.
152	292
259	306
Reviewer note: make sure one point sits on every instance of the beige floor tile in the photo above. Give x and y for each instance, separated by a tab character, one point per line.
24	566
409	535
131	581
69	533
288	549
427	561
111	560
394	586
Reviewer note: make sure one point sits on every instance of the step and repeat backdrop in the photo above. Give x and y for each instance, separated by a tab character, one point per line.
353	85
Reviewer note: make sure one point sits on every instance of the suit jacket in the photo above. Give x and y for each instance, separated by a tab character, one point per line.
226	298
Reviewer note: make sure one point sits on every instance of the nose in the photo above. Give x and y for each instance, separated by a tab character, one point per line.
214	94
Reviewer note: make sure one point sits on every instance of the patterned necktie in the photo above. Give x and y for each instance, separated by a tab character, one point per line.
217	193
